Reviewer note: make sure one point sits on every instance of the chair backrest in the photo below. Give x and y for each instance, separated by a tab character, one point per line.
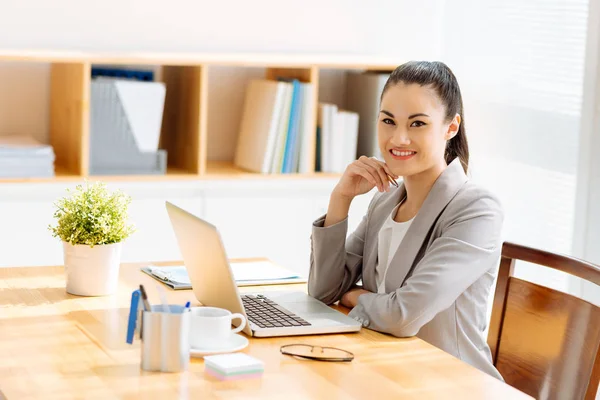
544	342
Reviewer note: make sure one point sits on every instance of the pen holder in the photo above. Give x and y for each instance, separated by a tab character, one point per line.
165	339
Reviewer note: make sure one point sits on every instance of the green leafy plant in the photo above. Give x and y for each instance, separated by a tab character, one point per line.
92	215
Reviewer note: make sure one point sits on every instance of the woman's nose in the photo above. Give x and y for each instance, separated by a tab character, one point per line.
400	138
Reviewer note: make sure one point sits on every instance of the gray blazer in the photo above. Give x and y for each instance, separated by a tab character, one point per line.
439	279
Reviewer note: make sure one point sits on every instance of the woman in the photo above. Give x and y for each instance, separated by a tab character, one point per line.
427	252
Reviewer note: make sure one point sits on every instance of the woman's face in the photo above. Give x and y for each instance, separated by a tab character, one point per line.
412	129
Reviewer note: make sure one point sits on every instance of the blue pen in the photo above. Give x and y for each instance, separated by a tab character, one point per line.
188	304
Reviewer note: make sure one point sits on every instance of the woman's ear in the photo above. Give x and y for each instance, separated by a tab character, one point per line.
453	127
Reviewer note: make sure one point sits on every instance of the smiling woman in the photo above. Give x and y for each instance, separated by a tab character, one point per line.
427	251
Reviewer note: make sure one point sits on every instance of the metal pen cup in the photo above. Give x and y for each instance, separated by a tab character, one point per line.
165	339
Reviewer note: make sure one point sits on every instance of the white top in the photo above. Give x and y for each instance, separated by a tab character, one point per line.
390	237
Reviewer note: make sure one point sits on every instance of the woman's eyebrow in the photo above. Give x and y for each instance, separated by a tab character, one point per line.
418	115
389	114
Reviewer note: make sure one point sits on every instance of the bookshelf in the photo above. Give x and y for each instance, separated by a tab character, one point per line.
202	111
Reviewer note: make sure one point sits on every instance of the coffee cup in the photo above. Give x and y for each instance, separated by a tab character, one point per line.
210	327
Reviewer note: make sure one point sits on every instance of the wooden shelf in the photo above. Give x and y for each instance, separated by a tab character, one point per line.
226	170
173	173
196	125
60	175
215	170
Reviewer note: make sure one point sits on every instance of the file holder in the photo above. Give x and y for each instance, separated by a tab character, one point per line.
165	343
125	124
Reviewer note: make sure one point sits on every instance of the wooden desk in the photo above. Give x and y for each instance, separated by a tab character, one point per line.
54	345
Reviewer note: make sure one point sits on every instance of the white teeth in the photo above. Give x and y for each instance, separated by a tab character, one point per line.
402	153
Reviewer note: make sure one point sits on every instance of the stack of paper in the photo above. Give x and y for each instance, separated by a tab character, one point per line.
337	137
276	128
233	366
25	157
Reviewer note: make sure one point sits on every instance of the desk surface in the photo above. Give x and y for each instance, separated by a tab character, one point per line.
55	345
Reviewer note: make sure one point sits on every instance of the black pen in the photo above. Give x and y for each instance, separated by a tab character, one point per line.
147	306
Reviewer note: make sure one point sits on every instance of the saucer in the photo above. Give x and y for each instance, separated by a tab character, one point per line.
235	343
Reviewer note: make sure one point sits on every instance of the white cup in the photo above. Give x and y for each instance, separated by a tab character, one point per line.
210	327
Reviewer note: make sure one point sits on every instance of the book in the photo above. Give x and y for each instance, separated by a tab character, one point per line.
292	134
283	126
246	273
264	104
337	137
302	156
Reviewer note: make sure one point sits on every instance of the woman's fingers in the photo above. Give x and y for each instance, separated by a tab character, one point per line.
385	167
360	170
391	177
377	169
376	172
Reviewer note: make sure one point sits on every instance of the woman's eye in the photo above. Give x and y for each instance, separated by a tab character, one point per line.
417	124
388	121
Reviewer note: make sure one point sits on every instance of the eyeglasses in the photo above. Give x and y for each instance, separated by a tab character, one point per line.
318	353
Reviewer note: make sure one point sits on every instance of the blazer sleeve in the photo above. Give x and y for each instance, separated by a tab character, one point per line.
336	261
469	246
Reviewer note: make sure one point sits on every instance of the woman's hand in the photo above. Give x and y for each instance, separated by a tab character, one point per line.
359	177
363	175
350	298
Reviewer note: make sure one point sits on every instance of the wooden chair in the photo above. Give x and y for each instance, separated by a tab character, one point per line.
544	342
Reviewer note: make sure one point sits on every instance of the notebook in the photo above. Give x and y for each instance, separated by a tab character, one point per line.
247	273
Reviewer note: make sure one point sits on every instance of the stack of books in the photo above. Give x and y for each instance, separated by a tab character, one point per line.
337	135
343	135
275	130
233	366
25	157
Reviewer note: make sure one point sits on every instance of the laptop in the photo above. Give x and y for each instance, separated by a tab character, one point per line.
269	313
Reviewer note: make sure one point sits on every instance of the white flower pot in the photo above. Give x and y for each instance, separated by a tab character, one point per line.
92	271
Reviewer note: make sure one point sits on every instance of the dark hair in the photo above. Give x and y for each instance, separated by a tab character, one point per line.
437	75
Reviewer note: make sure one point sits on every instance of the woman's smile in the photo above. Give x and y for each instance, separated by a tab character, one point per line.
402	155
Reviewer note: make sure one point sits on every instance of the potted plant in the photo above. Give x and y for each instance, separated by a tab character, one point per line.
92	223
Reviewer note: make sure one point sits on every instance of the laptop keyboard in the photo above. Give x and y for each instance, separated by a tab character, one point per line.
265	313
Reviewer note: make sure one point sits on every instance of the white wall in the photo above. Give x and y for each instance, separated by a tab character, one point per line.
310	26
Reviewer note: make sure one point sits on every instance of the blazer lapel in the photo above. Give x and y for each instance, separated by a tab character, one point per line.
443	190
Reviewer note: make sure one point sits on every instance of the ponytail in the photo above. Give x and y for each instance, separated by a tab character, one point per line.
458	146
